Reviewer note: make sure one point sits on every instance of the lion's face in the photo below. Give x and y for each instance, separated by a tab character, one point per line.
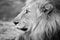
47	20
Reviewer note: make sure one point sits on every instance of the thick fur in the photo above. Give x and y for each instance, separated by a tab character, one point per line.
48	25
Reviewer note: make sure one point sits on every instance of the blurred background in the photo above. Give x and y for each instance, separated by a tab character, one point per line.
9	9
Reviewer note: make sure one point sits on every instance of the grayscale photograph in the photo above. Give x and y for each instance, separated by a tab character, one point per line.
29	19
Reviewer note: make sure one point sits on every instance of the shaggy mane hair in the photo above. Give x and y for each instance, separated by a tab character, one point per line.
48	21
